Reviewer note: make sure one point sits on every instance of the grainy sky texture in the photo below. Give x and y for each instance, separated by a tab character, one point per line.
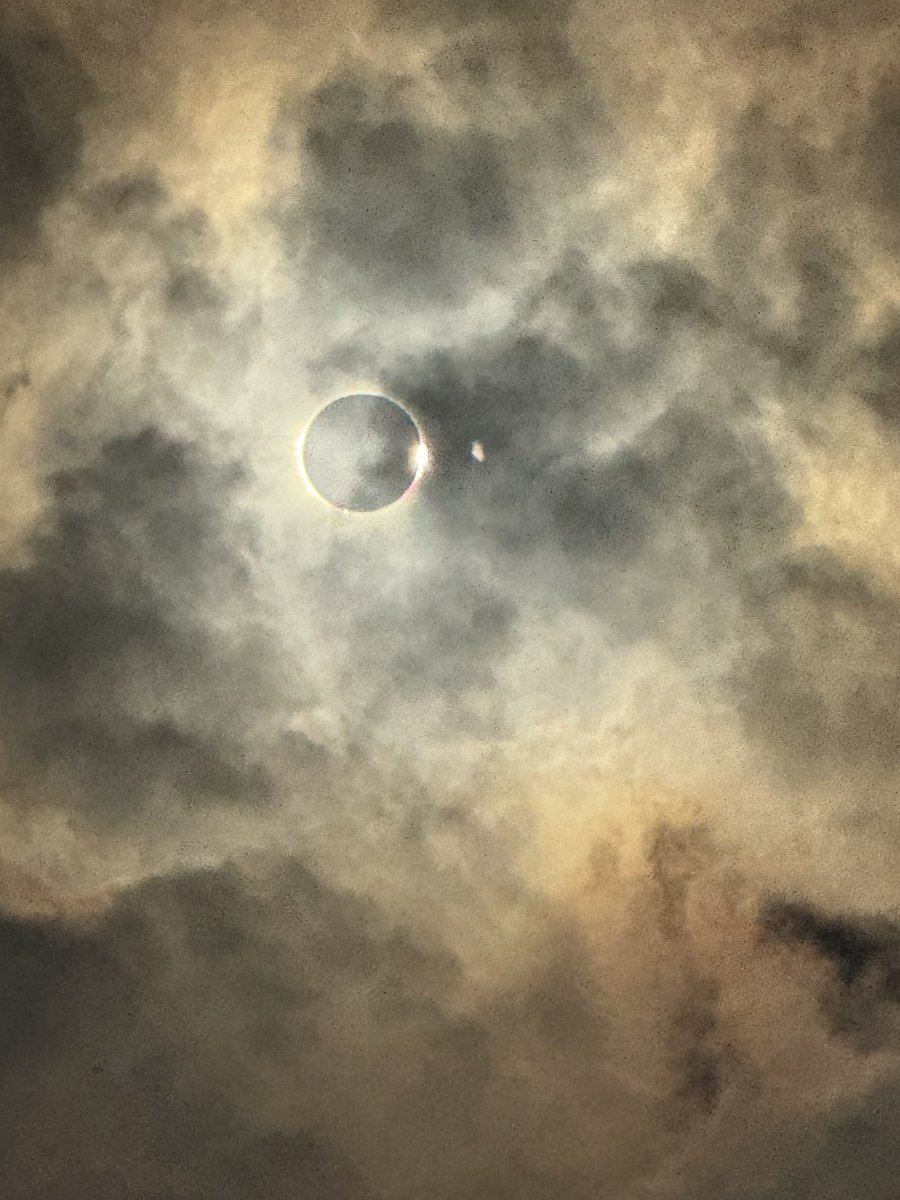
539	838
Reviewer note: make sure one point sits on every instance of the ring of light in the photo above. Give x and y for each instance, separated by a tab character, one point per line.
422	458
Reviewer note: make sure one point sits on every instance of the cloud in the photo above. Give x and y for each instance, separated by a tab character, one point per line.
218	1028
44	91
398	208
104	685
883	393
127	1098
880	145
362	837
265	1015
821	688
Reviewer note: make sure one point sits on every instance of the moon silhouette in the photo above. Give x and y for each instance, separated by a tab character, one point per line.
362	452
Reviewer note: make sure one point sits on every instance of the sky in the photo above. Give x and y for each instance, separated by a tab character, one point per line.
537	837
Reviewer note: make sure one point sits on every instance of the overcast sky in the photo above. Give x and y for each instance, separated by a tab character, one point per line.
537	838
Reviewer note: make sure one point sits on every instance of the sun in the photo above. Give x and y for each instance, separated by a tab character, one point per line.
362	453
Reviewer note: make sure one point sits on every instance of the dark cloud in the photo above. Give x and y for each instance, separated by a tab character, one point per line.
788	278
418	190
176	242
794	26
118	1104
531	14
883	390
484	34
821	683
43	92
189	290
854	947
771	241
100	677
399	208
223	1030
861	998
216	1032
857	1152
163	1076
696	491
701	1060
881	146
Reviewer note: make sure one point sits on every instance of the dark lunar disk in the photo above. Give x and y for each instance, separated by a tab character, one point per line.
362	452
